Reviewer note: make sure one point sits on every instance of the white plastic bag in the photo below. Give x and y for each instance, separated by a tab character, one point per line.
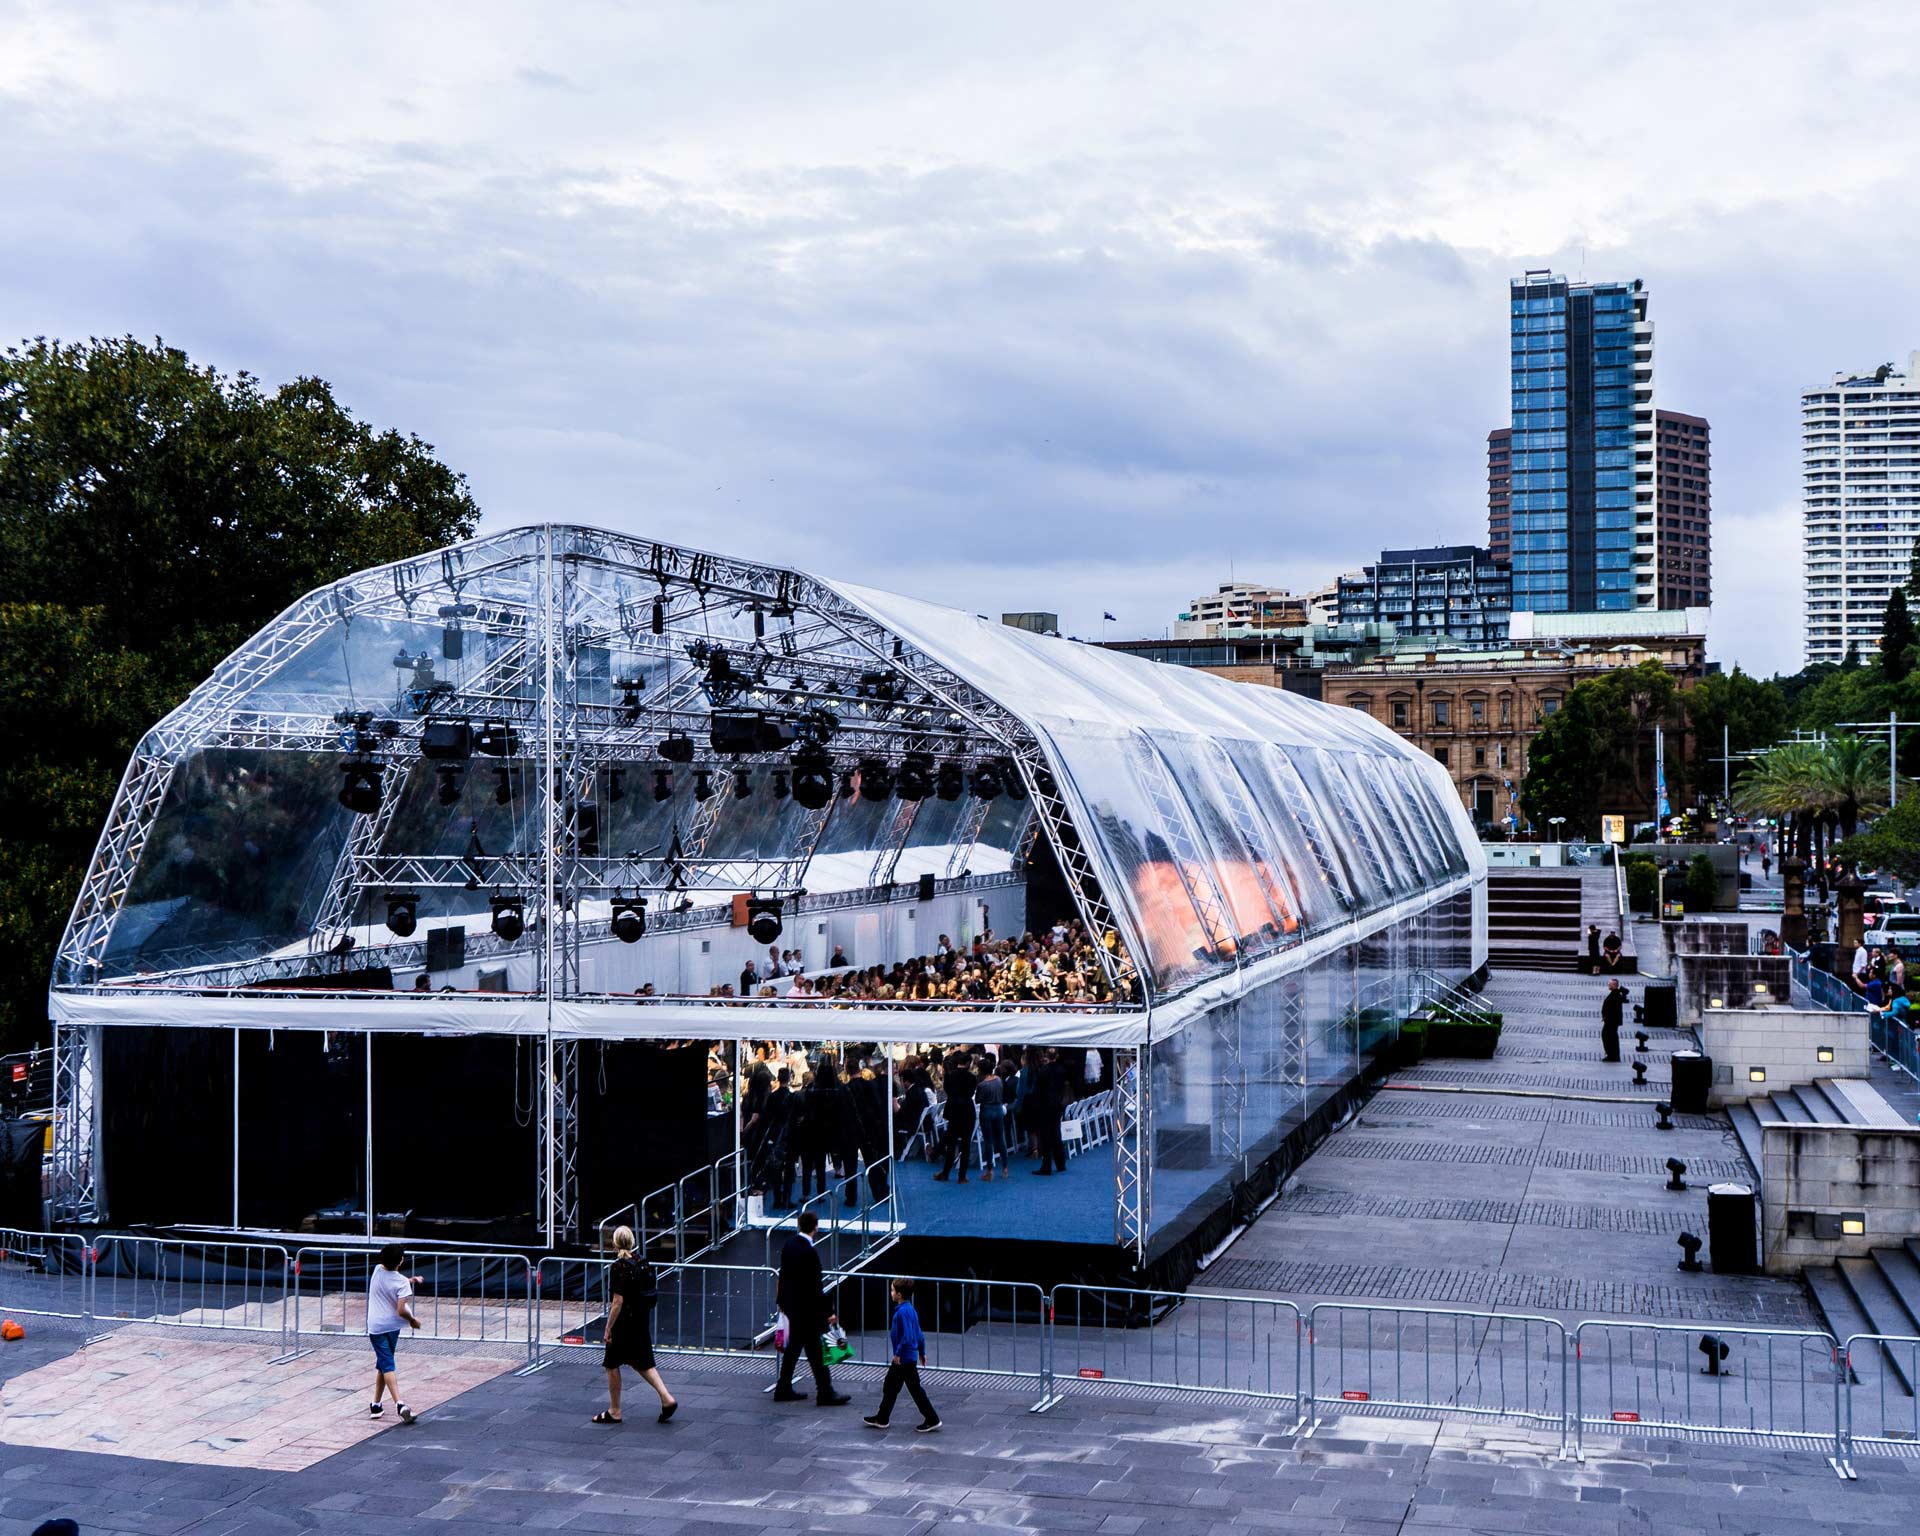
780	1327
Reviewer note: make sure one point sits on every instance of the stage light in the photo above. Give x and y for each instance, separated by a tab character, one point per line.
662	784
360	786
1011	781
403	912
1689	1253
449	785
1675	1170
659	616
780	784
759	622
1665	1111
742	784
847	786
509	917
446	739
986	781
496	738
763	920
616	785
677	748
1823	1053
629	918
1715	1349
703	783
1045	783
915	779
503	791
950	783
812	778
876	780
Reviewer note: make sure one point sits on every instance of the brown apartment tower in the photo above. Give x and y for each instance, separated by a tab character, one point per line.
1683	507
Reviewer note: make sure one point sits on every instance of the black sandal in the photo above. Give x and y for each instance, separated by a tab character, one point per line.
603	1417
669	1411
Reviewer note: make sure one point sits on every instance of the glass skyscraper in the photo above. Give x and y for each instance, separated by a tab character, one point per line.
1582	488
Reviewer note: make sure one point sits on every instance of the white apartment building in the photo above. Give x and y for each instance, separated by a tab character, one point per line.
1240	608
1860	452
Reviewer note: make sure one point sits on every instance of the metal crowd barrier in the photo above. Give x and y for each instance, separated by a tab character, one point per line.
459	1296
1249	1346
1875	1415
191	1283
700	1309
1745	1381
1492	1363
975	1327
1895	1041
46	1275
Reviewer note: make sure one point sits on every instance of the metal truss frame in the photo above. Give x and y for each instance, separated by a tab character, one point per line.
76	1157
1132	1149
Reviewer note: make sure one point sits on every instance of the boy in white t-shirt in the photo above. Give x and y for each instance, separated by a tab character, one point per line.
389	1303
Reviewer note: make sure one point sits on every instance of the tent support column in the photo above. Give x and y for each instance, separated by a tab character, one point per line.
369	1055
76	1163
236	1128
1132	1150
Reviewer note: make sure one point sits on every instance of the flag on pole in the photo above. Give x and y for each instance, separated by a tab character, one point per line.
1109	616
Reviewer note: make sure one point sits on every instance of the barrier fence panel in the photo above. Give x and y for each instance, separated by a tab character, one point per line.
698	1308
44	1274
191	1282
1895	1041
1881	1406
983	1327
469	1298
1248	1345
1752	1381
1412	1357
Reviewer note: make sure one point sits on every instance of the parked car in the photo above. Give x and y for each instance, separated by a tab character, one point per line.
1897	930
1880	905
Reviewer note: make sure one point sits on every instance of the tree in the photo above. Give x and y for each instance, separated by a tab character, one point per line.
1891	845
1703	884
1897	638
1747	713
1590	757
153	514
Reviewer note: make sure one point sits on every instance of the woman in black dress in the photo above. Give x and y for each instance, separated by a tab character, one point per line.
630	1328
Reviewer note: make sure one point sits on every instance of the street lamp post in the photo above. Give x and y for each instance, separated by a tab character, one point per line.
1554	822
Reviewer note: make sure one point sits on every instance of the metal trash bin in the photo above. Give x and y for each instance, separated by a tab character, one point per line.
1692	1083
1732	1233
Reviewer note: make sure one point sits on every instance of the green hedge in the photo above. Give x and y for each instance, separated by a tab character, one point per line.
1643	883
1444	1031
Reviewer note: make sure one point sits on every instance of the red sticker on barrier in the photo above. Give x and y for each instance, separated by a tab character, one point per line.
1626	1418
19	1071
1091	1374
571	1338
1354	1397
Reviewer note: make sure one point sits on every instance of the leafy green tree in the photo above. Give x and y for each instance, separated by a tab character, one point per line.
1703	884
1752	711
1891	845
1897	638
153	514
1594	755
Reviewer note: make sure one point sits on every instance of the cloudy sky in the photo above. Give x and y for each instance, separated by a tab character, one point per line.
1013	305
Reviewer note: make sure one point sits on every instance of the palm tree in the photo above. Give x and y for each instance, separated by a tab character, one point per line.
1789	783
1853	774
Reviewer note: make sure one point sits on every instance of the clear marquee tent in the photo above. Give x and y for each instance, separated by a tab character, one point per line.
436	799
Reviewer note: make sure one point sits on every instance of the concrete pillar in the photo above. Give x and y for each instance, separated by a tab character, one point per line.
1852	929
1793	915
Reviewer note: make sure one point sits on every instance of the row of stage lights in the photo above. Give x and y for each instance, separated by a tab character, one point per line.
627	917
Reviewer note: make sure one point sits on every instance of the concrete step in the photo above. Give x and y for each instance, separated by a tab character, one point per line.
1746	1126
1845	1111
1882	1310
1516	959
1901	1271
1840	1312
1786	1105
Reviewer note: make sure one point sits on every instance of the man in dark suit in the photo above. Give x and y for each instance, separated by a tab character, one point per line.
1050	1099
1612	1006
802	1296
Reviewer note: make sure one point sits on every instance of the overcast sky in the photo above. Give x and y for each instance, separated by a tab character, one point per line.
1010	305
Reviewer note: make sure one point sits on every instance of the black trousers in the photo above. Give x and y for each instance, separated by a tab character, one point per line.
804	1337
1610	1040
907	1376
960	1140
1053	1149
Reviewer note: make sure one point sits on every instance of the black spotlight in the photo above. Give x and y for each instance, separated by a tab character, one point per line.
629	918
449	785
812	778
1689	1253
503	791
915	779
847	787
986	781
780	790
662	784
1675	1168
1639	1074
876	779
1665	1111
1045	783
677	748
950	783
742	784
403	912
1011	781
509	917
496	738
360	786
703	783
1715	1349
1640	1042
763	920
616	784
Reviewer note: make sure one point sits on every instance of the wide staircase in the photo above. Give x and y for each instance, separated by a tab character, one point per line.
1534	921
1876	1294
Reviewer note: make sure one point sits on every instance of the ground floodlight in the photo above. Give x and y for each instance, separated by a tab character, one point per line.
629	918
360	785
1689	1253
1665	1111
403	912
1715	1349
1675	1170
509	917
1639	1074
1640	1041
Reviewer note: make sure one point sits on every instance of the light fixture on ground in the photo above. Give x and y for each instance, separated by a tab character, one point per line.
1715	1349
360	785
509	917
403	912
1639	1073
1675	1174
1689	1253
1665	1111
763	919
1640	1042
629	920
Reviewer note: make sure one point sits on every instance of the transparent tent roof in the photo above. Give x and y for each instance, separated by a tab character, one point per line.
571	718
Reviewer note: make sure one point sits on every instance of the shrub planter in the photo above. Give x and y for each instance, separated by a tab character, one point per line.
1450	1033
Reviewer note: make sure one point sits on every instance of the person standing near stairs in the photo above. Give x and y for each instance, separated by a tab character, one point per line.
1611	1009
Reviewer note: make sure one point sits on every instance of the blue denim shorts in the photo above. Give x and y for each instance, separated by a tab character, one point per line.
383	1348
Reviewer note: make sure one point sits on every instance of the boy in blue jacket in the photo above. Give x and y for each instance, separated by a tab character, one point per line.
909	1349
